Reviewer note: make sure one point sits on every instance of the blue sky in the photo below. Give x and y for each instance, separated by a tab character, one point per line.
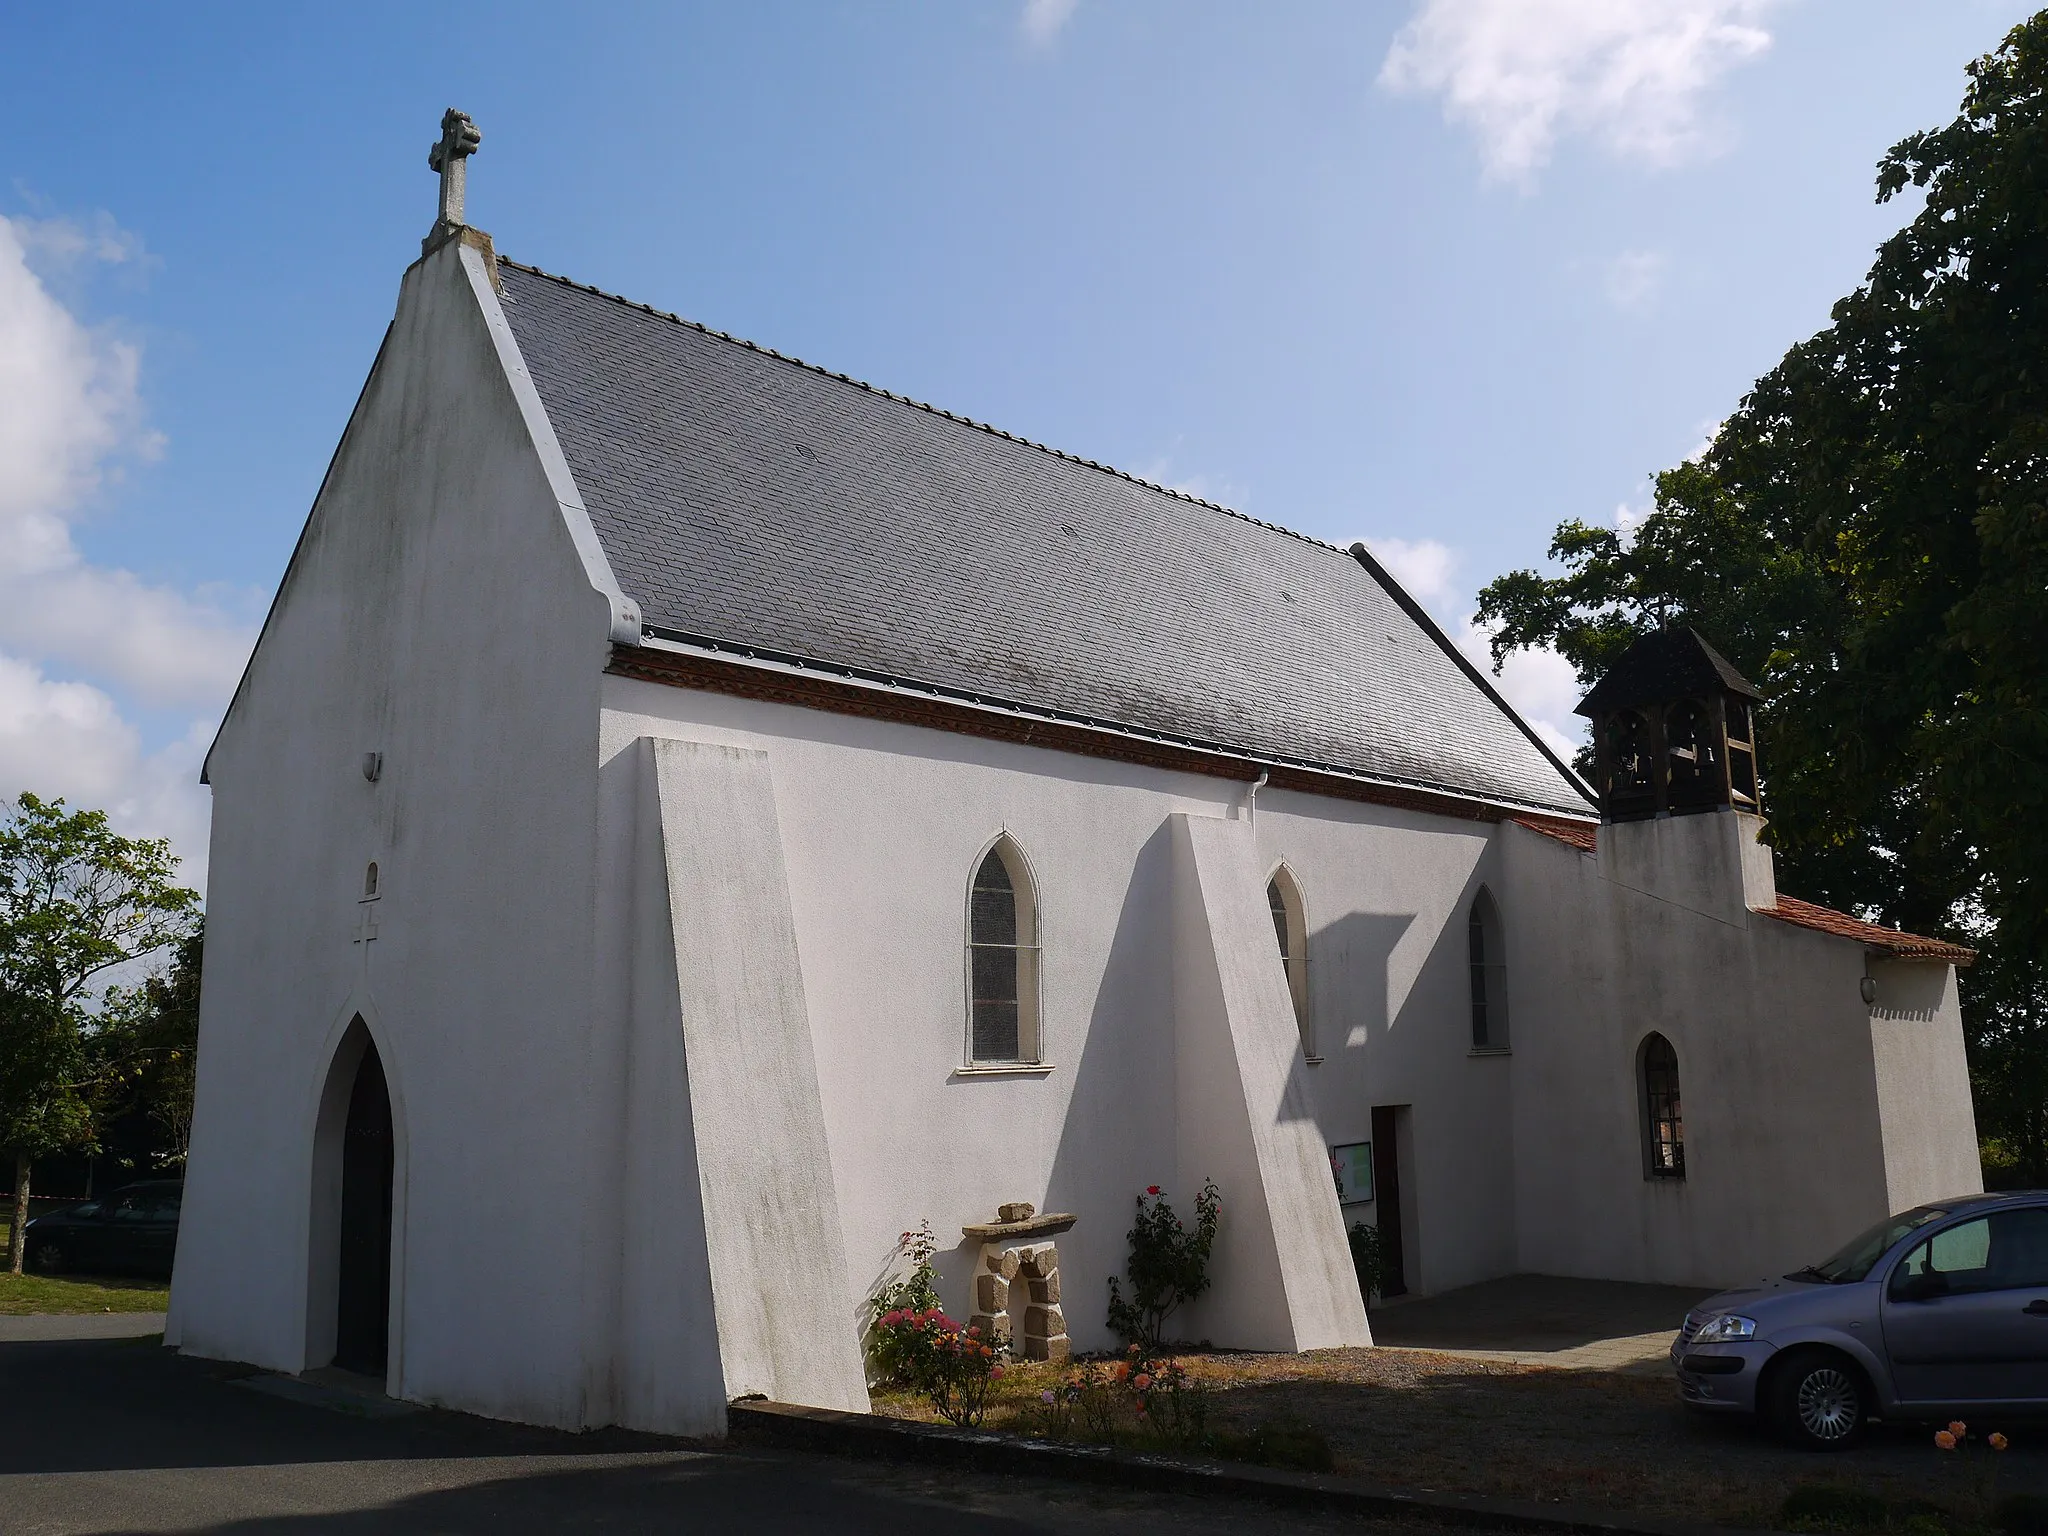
1436	273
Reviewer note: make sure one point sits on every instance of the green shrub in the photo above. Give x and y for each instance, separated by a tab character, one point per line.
892	1350
1169	1264
954	1367
1371	1258
1832	1507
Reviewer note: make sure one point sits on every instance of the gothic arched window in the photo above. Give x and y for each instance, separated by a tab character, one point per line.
1663	1121
1489	974
1290	927
1002	959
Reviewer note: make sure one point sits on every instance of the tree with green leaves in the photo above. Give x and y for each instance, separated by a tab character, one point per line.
1867	539
76	900
145	1047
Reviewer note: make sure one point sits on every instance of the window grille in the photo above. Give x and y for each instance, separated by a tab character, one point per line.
1663	1121
1002	962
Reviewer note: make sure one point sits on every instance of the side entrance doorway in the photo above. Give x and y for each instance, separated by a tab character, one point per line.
363	1294
1386	1157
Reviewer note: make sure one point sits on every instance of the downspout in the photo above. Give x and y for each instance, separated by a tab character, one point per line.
1249	811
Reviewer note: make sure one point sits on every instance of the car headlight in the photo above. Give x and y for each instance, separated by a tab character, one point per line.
1719	1330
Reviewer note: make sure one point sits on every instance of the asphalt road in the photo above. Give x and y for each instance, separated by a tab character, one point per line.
121	1436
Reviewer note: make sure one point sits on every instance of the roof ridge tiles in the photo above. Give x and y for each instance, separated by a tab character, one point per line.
928	407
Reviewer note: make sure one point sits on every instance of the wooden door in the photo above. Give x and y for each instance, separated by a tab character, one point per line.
1386	1177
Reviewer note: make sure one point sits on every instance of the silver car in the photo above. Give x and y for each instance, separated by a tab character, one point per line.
1939	1312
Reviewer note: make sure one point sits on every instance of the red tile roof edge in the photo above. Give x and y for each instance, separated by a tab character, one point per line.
1890	941
1584	836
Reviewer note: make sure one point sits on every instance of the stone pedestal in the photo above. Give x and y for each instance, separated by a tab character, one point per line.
1019	1275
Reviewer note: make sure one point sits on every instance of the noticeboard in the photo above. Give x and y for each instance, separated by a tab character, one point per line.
1351	1166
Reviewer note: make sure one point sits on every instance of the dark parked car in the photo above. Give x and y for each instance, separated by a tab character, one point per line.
134	1230
1941	1310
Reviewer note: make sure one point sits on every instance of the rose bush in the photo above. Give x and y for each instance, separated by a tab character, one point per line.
888	1348
1168	1265
953	1367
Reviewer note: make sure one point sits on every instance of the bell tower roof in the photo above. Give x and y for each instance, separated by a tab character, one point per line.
1670	663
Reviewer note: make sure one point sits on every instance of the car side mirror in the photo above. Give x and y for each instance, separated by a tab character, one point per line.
1921	1287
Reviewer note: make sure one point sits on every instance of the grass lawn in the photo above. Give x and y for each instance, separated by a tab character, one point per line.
1416	1420
24	1294
21	1295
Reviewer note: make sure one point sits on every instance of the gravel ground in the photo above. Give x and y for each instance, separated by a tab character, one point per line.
1418	1420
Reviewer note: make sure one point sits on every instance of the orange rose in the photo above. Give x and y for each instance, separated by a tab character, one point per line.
1958	1428
1944	1439
1999	1442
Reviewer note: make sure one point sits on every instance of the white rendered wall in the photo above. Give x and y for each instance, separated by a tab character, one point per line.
1923	1084
1281	1272
436	612
882	825
747	1090
1790	1144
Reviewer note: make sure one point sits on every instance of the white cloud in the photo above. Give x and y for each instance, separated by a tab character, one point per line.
68	243
1540	684
1042	20
1424	567
1630	74
71	421
1163	470
69	740
1633	279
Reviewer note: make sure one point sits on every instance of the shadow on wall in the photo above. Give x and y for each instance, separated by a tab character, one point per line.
1118	1135
1350	960
1911	993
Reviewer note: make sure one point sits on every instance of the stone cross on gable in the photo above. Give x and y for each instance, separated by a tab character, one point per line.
459	140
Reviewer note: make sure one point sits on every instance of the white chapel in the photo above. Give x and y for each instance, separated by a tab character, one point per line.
692	815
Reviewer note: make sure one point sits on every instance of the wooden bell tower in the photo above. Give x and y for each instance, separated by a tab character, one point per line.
1674	730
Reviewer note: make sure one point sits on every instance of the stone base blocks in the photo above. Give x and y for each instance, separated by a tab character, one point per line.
1021	1277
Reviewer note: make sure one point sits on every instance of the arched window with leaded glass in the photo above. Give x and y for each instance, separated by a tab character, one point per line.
1290	929
1002	960
1488	949
1662	1112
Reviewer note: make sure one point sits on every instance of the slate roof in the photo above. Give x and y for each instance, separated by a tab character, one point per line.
749	499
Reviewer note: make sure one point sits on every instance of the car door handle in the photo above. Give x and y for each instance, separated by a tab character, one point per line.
2036	1309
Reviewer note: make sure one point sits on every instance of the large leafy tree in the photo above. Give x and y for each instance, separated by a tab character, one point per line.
76	900
1867	538
145	1046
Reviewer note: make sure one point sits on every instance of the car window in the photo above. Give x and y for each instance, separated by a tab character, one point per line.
165	1207
2005	1250
1855	1259
84	1212
2019	1250
129	1208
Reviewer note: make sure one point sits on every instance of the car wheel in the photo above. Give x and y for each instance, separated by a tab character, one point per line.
46	1258
1818	1401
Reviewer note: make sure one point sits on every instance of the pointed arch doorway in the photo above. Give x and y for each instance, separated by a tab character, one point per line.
362	1314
